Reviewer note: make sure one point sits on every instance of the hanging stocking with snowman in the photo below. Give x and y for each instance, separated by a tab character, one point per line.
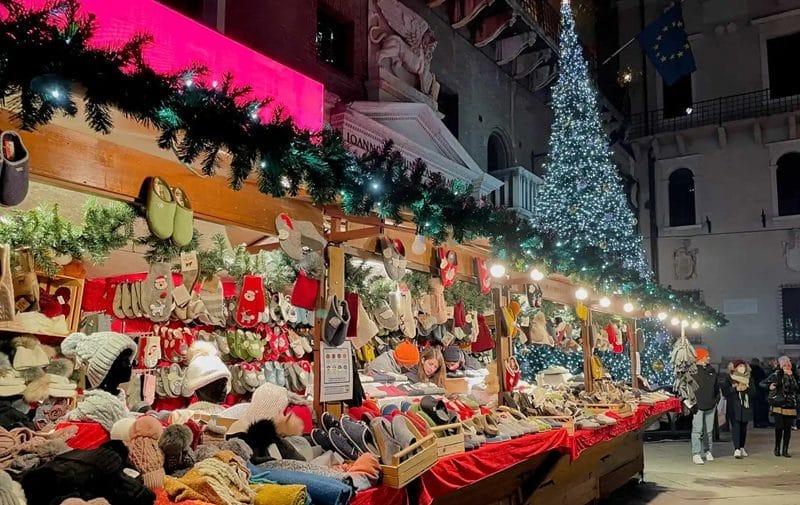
252	301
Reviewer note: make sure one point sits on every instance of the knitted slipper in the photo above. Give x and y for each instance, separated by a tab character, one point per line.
157	292
14	177
251	301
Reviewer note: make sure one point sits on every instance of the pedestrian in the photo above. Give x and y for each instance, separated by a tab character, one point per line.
760	405
707	397
739	390
782	399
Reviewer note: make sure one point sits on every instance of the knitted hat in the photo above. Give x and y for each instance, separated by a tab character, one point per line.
452	354
701	353
205	367
784	361
10	491
98	406
269	402
98	351
144	451
406	354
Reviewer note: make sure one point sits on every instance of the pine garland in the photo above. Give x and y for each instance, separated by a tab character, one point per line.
45	54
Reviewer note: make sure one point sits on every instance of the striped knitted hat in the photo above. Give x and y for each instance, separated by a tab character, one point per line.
98	351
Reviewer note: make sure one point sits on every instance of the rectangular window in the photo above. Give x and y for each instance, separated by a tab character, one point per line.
781	59
790	309
334	41
448	105
678	98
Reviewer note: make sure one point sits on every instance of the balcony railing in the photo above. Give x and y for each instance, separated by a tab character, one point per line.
716	111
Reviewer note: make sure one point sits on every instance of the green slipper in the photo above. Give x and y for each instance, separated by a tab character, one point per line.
160	208
183	224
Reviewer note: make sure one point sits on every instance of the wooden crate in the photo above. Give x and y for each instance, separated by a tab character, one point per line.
449	444
400	473
567	422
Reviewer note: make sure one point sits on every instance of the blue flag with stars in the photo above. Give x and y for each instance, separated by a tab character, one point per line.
666	44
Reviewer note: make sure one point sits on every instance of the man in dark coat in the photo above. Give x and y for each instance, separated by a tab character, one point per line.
760	405
707	397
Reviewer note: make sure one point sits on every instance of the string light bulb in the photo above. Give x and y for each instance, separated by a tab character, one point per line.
497	270
581	294
605	302
536	275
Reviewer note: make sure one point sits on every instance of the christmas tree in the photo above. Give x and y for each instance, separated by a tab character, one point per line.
582	200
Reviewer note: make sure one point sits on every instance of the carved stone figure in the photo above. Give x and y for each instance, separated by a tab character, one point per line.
791	250
685	261
404	39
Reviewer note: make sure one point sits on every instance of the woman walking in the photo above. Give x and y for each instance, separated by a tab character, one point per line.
739	391
783	390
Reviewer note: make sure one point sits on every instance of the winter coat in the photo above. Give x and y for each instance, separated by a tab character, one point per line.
708	388
786	386
740	403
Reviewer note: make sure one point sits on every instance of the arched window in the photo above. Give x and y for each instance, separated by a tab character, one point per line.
681	198
497	157
788	182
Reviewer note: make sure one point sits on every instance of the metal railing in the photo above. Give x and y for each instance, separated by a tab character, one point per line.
716	111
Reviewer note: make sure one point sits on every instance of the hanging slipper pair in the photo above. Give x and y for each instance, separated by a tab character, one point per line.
336	322
14	176
169	213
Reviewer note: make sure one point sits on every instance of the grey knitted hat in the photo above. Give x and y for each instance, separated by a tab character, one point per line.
99	406
98	351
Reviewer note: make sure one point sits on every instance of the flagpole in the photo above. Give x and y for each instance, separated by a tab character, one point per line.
633	39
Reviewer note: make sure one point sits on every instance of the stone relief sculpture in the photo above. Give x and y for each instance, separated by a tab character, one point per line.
406	40
791	250
685	261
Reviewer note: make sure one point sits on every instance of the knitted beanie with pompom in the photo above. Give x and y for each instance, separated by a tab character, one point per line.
145	454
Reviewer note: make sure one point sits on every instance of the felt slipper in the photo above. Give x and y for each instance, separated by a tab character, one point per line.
183	227
321	439
435	409
359	435
328	421
401	431
160	208
342	445
14	174
157	292
394	261
116	304
387	444
289	236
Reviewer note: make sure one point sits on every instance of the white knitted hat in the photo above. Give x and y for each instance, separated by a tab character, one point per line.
205	366
269	402
98	351
99	406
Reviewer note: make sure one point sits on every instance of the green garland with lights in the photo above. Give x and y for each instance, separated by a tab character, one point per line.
45	54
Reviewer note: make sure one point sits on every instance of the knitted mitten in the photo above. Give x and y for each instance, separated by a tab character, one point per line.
145	454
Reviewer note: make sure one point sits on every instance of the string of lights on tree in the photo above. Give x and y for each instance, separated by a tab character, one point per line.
45	54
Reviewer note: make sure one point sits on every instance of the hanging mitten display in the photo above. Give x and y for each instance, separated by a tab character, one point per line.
252	301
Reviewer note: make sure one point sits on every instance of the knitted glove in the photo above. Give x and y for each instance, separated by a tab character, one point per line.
145	454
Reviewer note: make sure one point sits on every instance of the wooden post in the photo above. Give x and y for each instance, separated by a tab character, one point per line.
634	352
588	380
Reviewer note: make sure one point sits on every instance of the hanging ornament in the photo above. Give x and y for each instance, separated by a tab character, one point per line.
419	246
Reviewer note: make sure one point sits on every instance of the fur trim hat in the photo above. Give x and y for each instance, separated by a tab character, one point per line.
205	367
98	351
98	406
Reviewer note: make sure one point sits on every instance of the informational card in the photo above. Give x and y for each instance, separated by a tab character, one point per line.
336	383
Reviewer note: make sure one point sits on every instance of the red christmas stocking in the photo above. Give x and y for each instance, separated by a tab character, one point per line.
252	301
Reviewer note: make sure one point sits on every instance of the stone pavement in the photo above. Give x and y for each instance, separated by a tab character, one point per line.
671	478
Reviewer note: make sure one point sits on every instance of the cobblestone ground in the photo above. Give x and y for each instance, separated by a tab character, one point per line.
760	479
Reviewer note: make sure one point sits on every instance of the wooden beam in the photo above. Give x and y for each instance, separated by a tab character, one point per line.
94	164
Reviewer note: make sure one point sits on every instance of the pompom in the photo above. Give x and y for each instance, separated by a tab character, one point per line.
201	348
146	426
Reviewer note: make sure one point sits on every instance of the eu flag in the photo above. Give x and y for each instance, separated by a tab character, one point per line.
666	44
